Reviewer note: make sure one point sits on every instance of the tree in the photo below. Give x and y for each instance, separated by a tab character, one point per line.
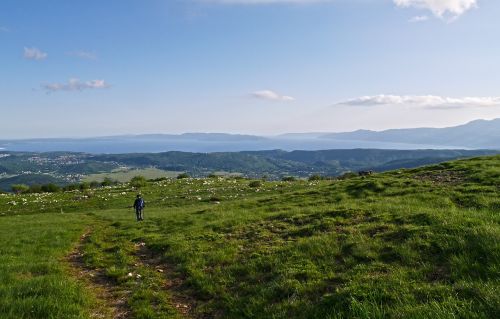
35	188
94	184
183	175
108	182
20	188
84	186
316	177
138	181
50	188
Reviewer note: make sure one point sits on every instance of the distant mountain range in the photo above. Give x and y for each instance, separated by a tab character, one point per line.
477	134
480	134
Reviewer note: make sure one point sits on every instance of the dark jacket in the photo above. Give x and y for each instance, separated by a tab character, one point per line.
139	203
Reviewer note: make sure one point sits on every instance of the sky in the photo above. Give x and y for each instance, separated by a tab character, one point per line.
109	67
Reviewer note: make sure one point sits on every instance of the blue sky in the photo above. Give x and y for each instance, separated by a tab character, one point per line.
95	67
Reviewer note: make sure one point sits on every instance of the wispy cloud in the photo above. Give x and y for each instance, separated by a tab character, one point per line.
271	96
86	55
426	101
4	29
418	19
76	85
445	9
34	54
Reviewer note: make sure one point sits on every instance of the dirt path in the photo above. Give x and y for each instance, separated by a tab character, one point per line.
172	282
112	297
112	300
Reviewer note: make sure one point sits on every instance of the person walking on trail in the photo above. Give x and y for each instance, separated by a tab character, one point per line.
139	205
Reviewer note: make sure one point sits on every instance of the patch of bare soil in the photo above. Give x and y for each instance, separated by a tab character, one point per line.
173	281
441	177
112	299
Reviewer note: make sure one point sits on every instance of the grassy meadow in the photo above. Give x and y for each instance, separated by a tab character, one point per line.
418	243
125	175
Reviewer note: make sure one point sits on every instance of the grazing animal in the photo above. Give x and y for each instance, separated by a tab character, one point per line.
365	173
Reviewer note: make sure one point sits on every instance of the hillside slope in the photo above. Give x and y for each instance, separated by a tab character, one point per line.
416	243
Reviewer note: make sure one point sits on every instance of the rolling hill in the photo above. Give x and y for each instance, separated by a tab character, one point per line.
416	243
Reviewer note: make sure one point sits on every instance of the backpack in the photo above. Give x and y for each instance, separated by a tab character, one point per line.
140	203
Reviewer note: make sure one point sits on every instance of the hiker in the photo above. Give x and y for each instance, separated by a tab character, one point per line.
139	205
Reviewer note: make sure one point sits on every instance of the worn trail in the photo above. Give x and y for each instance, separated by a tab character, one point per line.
112	300
171	281
113	297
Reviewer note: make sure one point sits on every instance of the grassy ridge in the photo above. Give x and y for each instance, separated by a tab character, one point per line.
415	243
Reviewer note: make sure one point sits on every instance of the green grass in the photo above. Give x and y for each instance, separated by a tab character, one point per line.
124	176
420	243
34	280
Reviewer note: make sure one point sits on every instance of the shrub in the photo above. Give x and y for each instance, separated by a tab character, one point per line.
212	175
20	188
315	177
35	188
183	175
255	184
214	199
84	186
348	175
94	184
289	179
108	182
71	187
138	181
50	188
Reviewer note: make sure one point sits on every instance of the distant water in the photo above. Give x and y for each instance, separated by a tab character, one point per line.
144	145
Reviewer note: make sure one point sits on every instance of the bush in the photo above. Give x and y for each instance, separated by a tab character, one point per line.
138	181
108	182
214	199
255	184
94	184
50	188
289	179
71	187
316	177
20	188
84	186
213	175
35	188
183	175
348	175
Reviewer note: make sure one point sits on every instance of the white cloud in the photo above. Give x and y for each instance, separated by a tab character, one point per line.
84	55
76	85
418	19
34	54
426	101
271	96
440	8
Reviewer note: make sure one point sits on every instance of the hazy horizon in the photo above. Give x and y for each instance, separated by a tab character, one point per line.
229	133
